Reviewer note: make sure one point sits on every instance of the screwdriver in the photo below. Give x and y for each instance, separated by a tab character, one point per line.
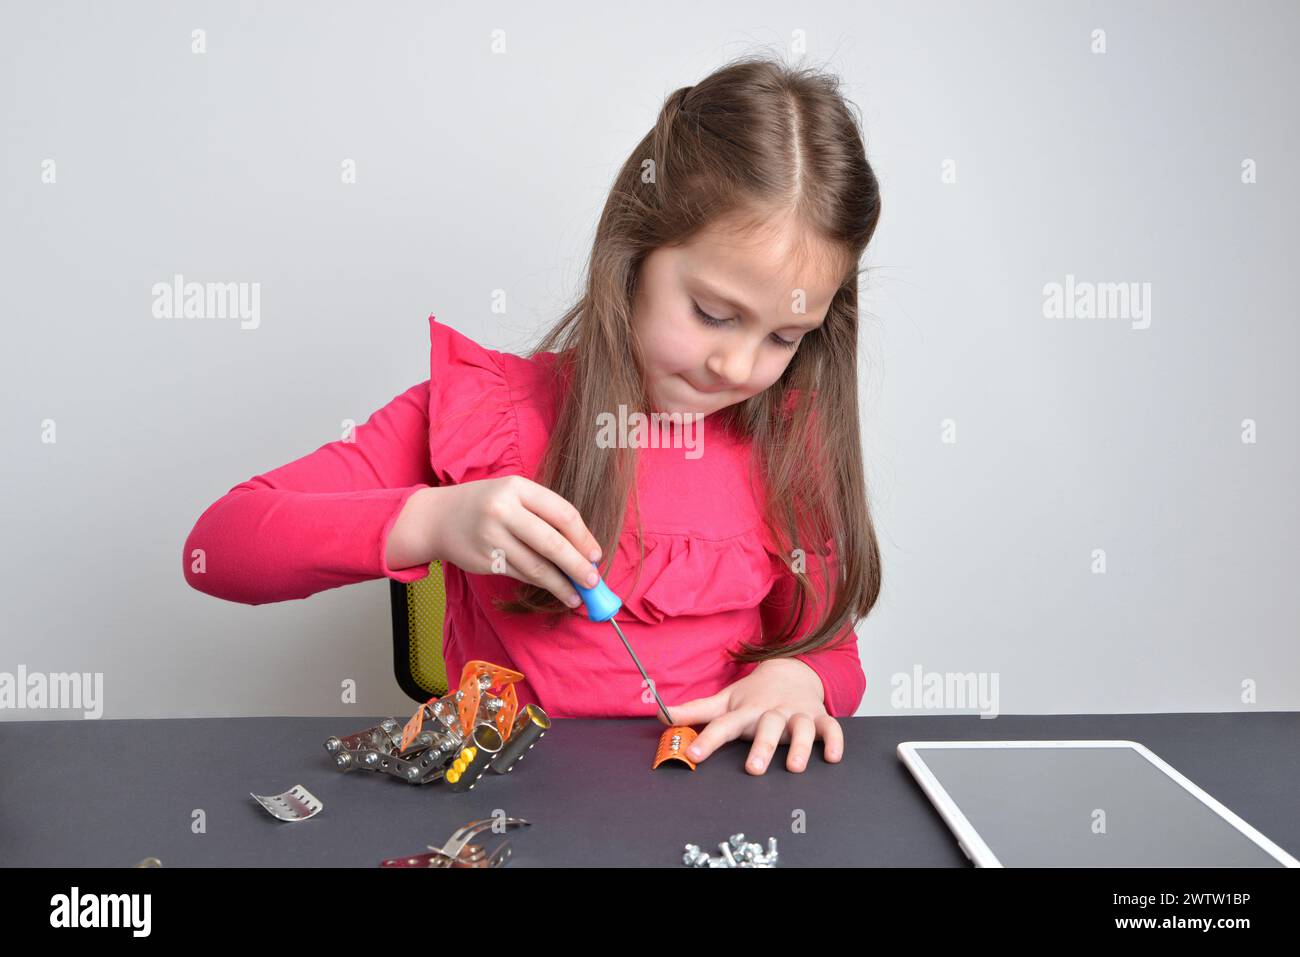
602	604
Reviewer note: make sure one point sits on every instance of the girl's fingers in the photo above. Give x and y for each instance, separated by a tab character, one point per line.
570	543
543	540
767	735
724	728
803	732
526	565
699	711
832	736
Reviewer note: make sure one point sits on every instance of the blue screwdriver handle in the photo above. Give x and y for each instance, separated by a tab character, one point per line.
602	604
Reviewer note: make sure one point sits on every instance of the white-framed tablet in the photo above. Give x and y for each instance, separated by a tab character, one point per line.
1080	804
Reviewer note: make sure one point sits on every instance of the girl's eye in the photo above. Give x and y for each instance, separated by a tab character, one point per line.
709	320
705	318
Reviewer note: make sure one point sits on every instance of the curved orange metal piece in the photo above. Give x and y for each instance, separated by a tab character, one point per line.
673	744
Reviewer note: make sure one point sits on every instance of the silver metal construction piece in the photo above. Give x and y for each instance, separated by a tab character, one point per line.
463	835
531	725
471	856
486	745
458	852
434	751
736	852
295	804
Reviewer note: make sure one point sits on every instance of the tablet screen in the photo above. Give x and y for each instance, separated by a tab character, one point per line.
1086	807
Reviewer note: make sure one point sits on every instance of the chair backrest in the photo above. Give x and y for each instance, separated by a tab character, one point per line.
418	609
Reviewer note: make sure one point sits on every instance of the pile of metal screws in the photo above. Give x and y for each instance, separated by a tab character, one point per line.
735	853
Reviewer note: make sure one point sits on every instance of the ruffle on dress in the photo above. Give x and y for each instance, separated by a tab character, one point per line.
475	433
689	575
473	429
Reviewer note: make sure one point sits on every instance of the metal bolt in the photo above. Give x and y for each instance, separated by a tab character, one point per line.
737	841
726	853
388	724
371	759
333	744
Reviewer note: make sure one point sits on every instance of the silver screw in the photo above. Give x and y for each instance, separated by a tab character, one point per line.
726	853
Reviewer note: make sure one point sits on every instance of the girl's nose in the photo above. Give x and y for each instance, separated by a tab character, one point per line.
732	369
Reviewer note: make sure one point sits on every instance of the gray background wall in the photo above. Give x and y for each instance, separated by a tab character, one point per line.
482	171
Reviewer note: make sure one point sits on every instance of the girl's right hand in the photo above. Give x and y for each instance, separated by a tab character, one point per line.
516	527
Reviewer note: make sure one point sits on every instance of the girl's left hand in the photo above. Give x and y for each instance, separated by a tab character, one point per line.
780	700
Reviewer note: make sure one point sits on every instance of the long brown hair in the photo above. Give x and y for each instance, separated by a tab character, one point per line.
754	141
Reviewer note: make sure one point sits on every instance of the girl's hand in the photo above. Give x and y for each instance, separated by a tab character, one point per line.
511	526
780	700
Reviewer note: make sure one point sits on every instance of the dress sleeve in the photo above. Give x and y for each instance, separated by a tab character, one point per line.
836	663
321	521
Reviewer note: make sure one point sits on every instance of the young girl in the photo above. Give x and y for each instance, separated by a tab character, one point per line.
722	286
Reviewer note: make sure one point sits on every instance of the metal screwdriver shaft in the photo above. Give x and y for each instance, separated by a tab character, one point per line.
650	684
602	604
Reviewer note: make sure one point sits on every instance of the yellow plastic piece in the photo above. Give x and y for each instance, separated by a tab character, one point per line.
453	776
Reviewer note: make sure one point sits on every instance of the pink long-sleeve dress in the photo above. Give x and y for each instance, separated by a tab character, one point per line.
710	581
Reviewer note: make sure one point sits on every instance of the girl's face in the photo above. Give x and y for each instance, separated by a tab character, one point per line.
718	319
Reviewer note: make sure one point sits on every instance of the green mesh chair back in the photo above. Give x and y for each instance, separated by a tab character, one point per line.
418	609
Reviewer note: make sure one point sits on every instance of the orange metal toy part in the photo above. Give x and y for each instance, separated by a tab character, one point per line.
672	746
471	690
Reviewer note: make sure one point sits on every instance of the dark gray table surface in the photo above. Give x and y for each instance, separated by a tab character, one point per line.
110	793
